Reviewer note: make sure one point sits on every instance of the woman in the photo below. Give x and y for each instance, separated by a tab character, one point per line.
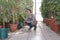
30	19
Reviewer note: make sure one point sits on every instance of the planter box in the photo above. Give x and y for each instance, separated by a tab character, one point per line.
3	33
13	27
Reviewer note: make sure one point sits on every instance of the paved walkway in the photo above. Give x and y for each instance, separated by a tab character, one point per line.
43	32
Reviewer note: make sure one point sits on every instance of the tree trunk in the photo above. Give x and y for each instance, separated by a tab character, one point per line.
16	16
13	14
3	14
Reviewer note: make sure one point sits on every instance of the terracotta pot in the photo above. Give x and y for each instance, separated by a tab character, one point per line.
0	26
55	27
13	27
50	22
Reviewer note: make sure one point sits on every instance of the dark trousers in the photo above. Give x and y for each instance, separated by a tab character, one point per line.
29	24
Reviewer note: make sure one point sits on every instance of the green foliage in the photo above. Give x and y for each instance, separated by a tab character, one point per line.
44	8
21	19
14	10
0	19
52	7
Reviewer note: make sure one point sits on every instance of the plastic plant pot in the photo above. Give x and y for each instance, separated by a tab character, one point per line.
3	33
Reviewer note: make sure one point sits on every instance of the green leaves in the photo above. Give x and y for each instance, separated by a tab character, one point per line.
13	5
52	7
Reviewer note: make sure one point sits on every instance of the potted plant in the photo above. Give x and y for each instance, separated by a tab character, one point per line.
52	8
13	17
51	12
47	8
44	10
56	16
22	11
57	22
3	31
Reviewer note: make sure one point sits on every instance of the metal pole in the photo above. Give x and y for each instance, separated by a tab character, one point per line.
35	7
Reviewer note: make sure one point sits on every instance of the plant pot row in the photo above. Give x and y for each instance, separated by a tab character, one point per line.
51	23
13	27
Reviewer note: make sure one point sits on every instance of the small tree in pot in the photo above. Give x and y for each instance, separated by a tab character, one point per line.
44	10
48	8
13	16
3	31
22	10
